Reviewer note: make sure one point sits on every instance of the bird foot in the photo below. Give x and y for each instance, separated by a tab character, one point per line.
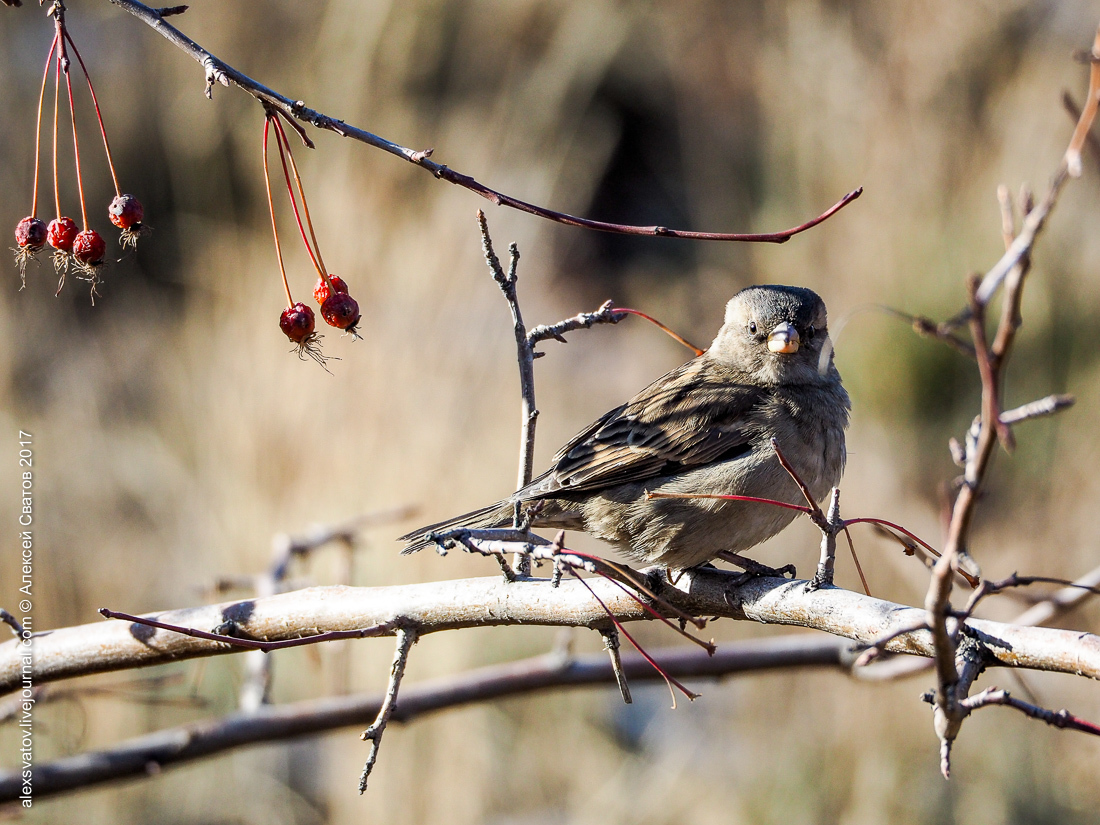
754	569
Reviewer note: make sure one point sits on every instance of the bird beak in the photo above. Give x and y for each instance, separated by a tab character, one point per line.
784	338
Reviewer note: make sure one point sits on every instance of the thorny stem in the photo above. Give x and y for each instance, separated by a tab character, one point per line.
305	206
274	228
38	126
99	116
406	638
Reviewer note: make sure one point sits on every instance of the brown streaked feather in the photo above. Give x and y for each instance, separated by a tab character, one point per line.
690	417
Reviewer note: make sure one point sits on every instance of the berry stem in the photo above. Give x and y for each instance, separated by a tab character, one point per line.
76	143
56	95
95	101
274	229
294	205
667	331
38	126
305	205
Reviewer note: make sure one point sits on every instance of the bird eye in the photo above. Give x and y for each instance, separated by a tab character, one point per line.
810	332
752	327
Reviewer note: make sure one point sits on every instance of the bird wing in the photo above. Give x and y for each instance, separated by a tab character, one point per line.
693	416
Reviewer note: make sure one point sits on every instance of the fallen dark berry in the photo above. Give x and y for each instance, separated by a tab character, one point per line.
30	233
321	290
89	247
125	211
61	233
340	311
297	323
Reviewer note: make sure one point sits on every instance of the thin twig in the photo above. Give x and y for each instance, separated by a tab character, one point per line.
526	358
217	71
611	642
406	638
1075	112
606	314
1056	718
1088	112
12	622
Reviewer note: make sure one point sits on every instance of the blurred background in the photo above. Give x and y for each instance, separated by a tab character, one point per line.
175	434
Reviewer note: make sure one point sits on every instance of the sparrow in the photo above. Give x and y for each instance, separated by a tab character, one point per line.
704	428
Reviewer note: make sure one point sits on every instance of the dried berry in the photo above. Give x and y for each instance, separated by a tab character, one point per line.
297	323
89	247
341	311
61	233
30	234
321	290
125	211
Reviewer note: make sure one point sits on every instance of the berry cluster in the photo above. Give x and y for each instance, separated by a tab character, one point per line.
338	308
84	250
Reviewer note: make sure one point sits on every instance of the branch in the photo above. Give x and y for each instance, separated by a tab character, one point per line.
606	314
406	638
1059	719
217	71
174	746
489	602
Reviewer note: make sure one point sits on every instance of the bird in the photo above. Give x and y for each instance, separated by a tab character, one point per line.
707	427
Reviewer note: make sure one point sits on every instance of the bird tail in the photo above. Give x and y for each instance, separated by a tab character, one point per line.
495	515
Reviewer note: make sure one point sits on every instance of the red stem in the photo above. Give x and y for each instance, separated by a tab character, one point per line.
883	522
56	95
293	202
38	126
76	143
305	204
799	507
102	129
669	680
707	646
274	229
653	320
855	558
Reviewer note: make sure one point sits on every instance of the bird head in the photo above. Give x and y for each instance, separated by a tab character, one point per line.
775	334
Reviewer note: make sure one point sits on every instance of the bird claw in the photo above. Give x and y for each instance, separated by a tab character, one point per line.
754	569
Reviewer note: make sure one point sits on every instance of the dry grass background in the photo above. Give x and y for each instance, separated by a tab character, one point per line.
175	434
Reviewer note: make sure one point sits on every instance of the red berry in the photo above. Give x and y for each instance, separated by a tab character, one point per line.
89	247
125	211
61	233
321	291
340	311
30	233
297	322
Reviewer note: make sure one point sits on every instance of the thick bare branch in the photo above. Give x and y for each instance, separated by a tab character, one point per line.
109	646
270	723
